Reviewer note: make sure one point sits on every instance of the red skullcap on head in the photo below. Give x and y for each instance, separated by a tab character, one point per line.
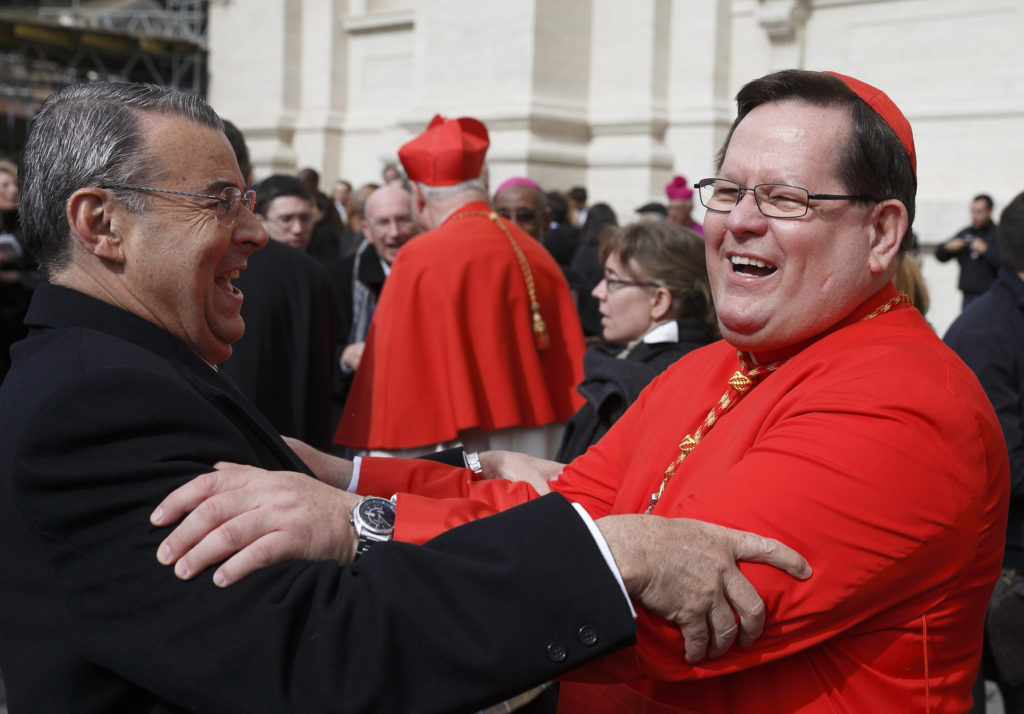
887	109
679	187
518	181
450	151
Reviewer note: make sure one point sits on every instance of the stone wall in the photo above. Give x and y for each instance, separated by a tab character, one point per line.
617	96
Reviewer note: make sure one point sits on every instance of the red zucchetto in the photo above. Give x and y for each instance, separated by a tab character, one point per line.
887	109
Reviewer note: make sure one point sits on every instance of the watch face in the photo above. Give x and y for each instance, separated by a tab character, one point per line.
378	514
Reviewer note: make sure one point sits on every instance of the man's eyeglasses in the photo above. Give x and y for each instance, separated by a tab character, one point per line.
520	215
228	201
774	200
614	283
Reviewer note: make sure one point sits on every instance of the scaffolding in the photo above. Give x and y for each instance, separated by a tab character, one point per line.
44	48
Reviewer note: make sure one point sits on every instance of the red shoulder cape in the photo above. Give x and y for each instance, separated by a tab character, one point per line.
451	345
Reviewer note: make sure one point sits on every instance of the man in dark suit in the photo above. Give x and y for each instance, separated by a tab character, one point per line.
976	248
135	205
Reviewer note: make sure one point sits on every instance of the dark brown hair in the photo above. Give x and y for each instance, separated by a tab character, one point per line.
672	257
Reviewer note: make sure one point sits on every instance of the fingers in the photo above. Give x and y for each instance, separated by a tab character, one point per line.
219	517
185	498
267	550
695	637
723	629
748	605
540	486
195	545
748	546
211	500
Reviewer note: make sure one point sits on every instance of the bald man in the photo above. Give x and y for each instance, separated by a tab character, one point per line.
522	201
356	280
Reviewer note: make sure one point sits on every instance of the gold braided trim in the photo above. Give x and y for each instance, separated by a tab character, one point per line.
540	330
740	382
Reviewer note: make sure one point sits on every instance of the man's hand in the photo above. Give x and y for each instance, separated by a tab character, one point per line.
520	467
262	517
685	571
979	246
330	469
352	355
955	245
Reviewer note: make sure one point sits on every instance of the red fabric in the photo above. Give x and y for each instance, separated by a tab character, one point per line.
451	344
873	452
441	497
449	152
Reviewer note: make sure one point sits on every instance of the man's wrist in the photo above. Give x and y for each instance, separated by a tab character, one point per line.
606	551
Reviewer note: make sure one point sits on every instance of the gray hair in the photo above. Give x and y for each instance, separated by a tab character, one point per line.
91	135
439	192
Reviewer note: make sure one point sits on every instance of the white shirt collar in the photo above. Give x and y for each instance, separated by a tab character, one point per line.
665	332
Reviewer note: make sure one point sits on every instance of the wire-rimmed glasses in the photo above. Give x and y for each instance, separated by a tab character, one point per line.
614	283
228	202
774	200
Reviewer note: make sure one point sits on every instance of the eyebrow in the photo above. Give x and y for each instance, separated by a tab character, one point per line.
217	186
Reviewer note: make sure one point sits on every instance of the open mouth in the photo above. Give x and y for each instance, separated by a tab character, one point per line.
751	266
224	281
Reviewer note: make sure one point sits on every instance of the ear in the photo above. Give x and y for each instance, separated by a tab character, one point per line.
889	223
94	216
418	201
662	304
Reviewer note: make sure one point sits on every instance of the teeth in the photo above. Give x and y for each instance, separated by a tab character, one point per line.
742	260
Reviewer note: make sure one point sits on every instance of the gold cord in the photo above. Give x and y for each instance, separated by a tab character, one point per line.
540	330
741	382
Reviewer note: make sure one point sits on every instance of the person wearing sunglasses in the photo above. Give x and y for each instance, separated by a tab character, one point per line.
522	201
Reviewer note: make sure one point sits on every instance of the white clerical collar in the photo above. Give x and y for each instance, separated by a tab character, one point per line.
386	267
665	332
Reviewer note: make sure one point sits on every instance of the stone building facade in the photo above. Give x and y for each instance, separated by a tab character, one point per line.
617	96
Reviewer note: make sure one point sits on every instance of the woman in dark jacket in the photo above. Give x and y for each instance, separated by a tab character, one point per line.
655	306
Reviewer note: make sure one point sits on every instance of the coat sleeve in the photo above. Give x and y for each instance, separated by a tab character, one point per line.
897	511
470	618
433	497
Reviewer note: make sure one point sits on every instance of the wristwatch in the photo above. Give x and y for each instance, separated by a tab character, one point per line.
374	521
473	462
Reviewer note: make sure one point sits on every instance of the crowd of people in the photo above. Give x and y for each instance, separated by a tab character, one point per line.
431	445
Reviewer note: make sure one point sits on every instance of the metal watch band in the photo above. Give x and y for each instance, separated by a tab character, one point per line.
473	462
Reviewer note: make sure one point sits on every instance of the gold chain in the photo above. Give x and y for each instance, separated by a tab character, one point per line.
740	383
540	330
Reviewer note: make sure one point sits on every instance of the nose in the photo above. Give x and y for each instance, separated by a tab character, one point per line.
248	231
600	290
745	217
390	230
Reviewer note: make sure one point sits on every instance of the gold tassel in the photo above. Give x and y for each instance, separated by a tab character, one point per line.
540	330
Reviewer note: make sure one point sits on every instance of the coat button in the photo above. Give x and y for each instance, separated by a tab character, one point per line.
587	635
557	652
